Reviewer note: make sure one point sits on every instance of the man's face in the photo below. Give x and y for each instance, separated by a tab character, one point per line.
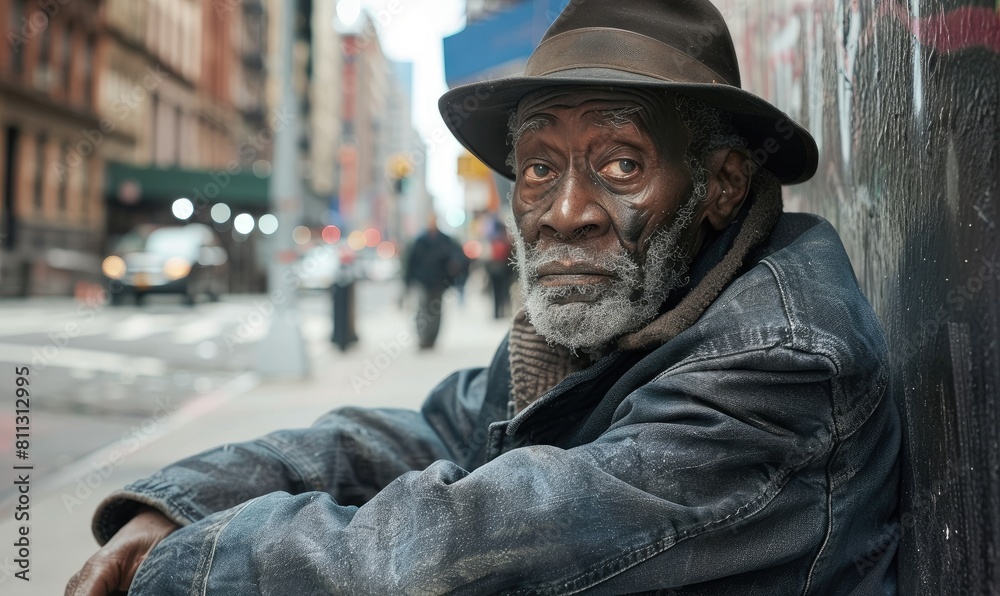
606	219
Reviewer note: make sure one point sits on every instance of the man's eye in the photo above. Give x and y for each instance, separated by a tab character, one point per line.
539	171
621	168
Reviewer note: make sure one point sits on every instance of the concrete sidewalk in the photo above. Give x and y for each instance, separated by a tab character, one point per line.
384	370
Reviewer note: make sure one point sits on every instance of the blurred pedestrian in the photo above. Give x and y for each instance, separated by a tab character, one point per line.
500	269
435	263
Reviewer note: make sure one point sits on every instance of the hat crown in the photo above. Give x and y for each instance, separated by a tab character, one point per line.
695	29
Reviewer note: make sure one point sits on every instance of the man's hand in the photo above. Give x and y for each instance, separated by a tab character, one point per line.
111	570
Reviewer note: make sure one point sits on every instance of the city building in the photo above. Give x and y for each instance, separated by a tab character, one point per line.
382	165
191	74
53	146
497	40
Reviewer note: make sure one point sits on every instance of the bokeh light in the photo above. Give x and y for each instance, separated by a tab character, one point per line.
261	168
473	249
301	235
331	234
356	240
114	267
182	208
455	218
221	212
386	250
372	237
268	224
243	223
348	11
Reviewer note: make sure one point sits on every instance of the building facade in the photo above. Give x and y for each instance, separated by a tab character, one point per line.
53	144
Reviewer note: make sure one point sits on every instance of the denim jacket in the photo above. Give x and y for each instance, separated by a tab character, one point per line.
753	453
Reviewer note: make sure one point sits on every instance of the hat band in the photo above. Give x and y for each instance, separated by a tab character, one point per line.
617	49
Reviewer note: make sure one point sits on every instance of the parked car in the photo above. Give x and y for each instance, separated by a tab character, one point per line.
187	260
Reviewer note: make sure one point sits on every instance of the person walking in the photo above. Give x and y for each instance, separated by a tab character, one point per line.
499	269
434	264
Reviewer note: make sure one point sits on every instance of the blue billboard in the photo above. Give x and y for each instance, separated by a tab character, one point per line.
504	38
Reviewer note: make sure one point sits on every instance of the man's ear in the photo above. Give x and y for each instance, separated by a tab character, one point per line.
728	185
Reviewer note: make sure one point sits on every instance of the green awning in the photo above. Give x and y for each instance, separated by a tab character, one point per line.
129	184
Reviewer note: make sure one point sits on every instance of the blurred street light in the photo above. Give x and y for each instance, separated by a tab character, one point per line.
183	208
455	217
348	12
372	237
221	213
268	224
386	250
301	235
473	249
331	234
243	223
356	240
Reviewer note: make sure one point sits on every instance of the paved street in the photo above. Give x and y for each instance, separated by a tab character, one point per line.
96	371
385	369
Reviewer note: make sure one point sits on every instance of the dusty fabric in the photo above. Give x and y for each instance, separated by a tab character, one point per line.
758	457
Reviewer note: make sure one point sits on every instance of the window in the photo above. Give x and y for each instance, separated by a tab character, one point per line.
63	178
40	143
17	46
43	70
67	59
9	231
85	189
88	69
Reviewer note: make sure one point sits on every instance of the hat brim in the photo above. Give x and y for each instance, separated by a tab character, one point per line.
478	115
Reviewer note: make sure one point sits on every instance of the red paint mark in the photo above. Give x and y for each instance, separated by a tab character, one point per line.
951	31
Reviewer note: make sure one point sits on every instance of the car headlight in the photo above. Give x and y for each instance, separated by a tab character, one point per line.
176	268
114	267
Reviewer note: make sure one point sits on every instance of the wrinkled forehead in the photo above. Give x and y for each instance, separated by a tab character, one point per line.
653	111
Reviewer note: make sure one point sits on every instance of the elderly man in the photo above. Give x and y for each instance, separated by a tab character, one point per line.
693	402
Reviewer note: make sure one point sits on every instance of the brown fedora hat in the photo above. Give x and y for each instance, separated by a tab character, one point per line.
681	46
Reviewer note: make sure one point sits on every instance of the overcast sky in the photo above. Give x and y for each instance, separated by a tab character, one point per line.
411	31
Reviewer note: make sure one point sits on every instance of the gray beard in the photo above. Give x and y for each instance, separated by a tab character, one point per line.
628	303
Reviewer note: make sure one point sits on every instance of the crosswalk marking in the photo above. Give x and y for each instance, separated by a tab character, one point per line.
110	362
139	326
197	331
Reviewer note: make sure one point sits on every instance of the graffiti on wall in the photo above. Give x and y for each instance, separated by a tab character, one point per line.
903	98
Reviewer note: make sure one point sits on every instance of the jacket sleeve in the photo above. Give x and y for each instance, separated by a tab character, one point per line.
700	477
350	453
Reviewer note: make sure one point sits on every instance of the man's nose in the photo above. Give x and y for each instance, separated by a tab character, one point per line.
575	213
